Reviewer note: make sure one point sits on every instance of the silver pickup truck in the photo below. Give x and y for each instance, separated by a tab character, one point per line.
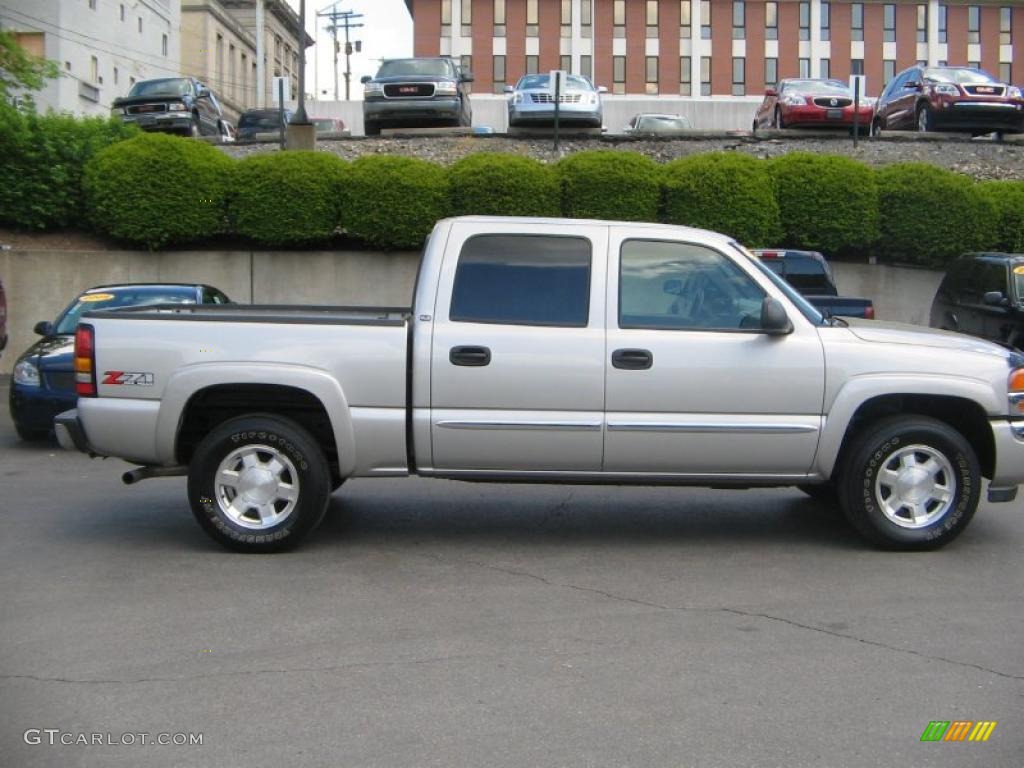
561	351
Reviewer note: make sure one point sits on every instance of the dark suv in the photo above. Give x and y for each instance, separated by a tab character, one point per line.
174	104
951	99
983	295
416	93
256	121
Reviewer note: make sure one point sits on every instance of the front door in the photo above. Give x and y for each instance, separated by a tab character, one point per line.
694	387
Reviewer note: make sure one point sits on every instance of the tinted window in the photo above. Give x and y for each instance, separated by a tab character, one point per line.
808	276
523	280
682	286
169	87
425	67
1018	279
993	278
104	298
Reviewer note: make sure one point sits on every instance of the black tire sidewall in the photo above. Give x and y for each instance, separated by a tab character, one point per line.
294	442
857	483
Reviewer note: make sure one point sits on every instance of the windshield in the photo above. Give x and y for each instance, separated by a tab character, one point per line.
261	120
835	87
133	296
178	86
425	67
536	82
806	308
959	75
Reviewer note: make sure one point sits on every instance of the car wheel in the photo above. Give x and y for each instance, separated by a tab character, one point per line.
779	121
910	482
194	128
371	128
876	127
924	118
753	128
258	483
31	435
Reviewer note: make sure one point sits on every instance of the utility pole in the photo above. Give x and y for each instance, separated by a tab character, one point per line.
339	20
261	68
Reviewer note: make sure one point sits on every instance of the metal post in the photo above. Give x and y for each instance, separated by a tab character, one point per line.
856	111
261	68
334	34
300	112
280	106
558	91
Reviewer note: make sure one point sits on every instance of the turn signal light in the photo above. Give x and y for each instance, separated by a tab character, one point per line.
1016	387
85	361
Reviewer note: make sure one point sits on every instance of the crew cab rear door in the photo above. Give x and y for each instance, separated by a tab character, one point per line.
517	360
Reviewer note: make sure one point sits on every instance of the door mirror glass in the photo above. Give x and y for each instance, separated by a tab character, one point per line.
509	89
994	299
43	328
774	319
912	84
770	92
365	79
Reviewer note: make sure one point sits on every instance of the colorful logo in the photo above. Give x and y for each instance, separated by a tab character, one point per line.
958	730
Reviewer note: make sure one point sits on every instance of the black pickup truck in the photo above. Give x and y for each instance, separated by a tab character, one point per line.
416	93
983	294
809	273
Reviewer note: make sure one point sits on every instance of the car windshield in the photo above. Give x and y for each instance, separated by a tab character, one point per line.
133	296
806	308
537	82
177	86
960	75
832	87
425	67
261	120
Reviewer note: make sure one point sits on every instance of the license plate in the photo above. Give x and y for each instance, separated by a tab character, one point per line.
834	114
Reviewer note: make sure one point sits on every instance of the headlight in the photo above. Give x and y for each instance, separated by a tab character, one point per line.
946	89
1015	390
794	100
1013	92
445	89
26	373
517	98
593	98
373	89
176	106
116	112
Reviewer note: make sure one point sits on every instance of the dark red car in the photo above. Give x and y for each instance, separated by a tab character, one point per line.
808	103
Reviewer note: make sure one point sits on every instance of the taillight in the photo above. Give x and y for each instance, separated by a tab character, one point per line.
85	361
869	312
770	255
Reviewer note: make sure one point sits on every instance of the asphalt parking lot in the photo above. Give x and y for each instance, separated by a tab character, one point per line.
438	624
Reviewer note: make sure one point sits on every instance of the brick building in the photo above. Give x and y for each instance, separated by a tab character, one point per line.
716	47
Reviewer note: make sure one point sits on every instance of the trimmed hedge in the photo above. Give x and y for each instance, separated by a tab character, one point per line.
1007	198
287	198
155	190
617	185
826	203
394	202
696	186
42	164
498	184
929	216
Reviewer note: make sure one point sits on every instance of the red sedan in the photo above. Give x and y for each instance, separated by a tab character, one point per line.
806	103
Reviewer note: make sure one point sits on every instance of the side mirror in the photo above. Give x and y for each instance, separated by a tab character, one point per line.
365	79
912	84
43	328
509	89
467	77
994	299
602	89
203	92
774	320
674	286
770	92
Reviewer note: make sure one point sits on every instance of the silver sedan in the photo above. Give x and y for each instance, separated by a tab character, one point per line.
532	101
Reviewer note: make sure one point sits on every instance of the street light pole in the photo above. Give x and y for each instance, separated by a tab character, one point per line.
300	113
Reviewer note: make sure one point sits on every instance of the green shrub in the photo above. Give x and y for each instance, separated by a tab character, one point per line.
623	186
496	184
155	190
287	198
826	203
42	163
1007	198
726	192
394	202
930	216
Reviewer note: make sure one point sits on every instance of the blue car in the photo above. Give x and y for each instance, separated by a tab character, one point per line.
43	380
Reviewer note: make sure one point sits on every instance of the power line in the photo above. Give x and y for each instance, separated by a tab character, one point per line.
342	20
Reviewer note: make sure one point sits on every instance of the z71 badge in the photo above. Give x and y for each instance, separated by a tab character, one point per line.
128	378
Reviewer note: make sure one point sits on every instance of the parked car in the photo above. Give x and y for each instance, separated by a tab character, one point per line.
328	125
554	350
649	124
172	104
810	103
531	102
256	121
416	93
3	317
43	381
948	99
983	294
811	275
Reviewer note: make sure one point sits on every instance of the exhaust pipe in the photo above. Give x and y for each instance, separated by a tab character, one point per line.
133	476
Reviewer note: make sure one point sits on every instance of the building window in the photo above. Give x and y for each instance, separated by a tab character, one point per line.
974	64
140	25
739	20
116	78
498	74
94	69
652	18
889	23
805	21
1006	26
163	44
122	11
856	66
618	74
705	75
467	18
739	76
92	5
245	80
942	23
857	21
67	66
705	19
565	63
446	17
1006	72
532	19
586	17
826	21
888	70
499	18
973	24
771	21
465	64
684	76
805	67
651	75
619	18
922	23
566	20
824	68
587	66
532	65
771	72
684	19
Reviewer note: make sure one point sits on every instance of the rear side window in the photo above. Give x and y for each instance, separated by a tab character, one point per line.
523	280
808	276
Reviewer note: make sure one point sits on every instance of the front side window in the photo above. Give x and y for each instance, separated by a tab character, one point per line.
523	280
683	286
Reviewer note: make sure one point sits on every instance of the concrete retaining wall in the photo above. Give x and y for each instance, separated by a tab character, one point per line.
40	283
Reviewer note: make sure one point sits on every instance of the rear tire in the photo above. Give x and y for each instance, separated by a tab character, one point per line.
780	122
371	128
31	435
910	483
258	483
876	127
194	128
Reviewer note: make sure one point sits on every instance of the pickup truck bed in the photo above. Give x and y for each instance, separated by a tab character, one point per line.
264	313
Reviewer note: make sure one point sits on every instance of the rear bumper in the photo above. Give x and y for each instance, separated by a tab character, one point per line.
70	434
1009	443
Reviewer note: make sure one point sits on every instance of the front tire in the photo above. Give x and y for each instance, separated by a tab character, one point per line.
780	122
910	483
925	121
371	128
258	483
876	127
31	435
